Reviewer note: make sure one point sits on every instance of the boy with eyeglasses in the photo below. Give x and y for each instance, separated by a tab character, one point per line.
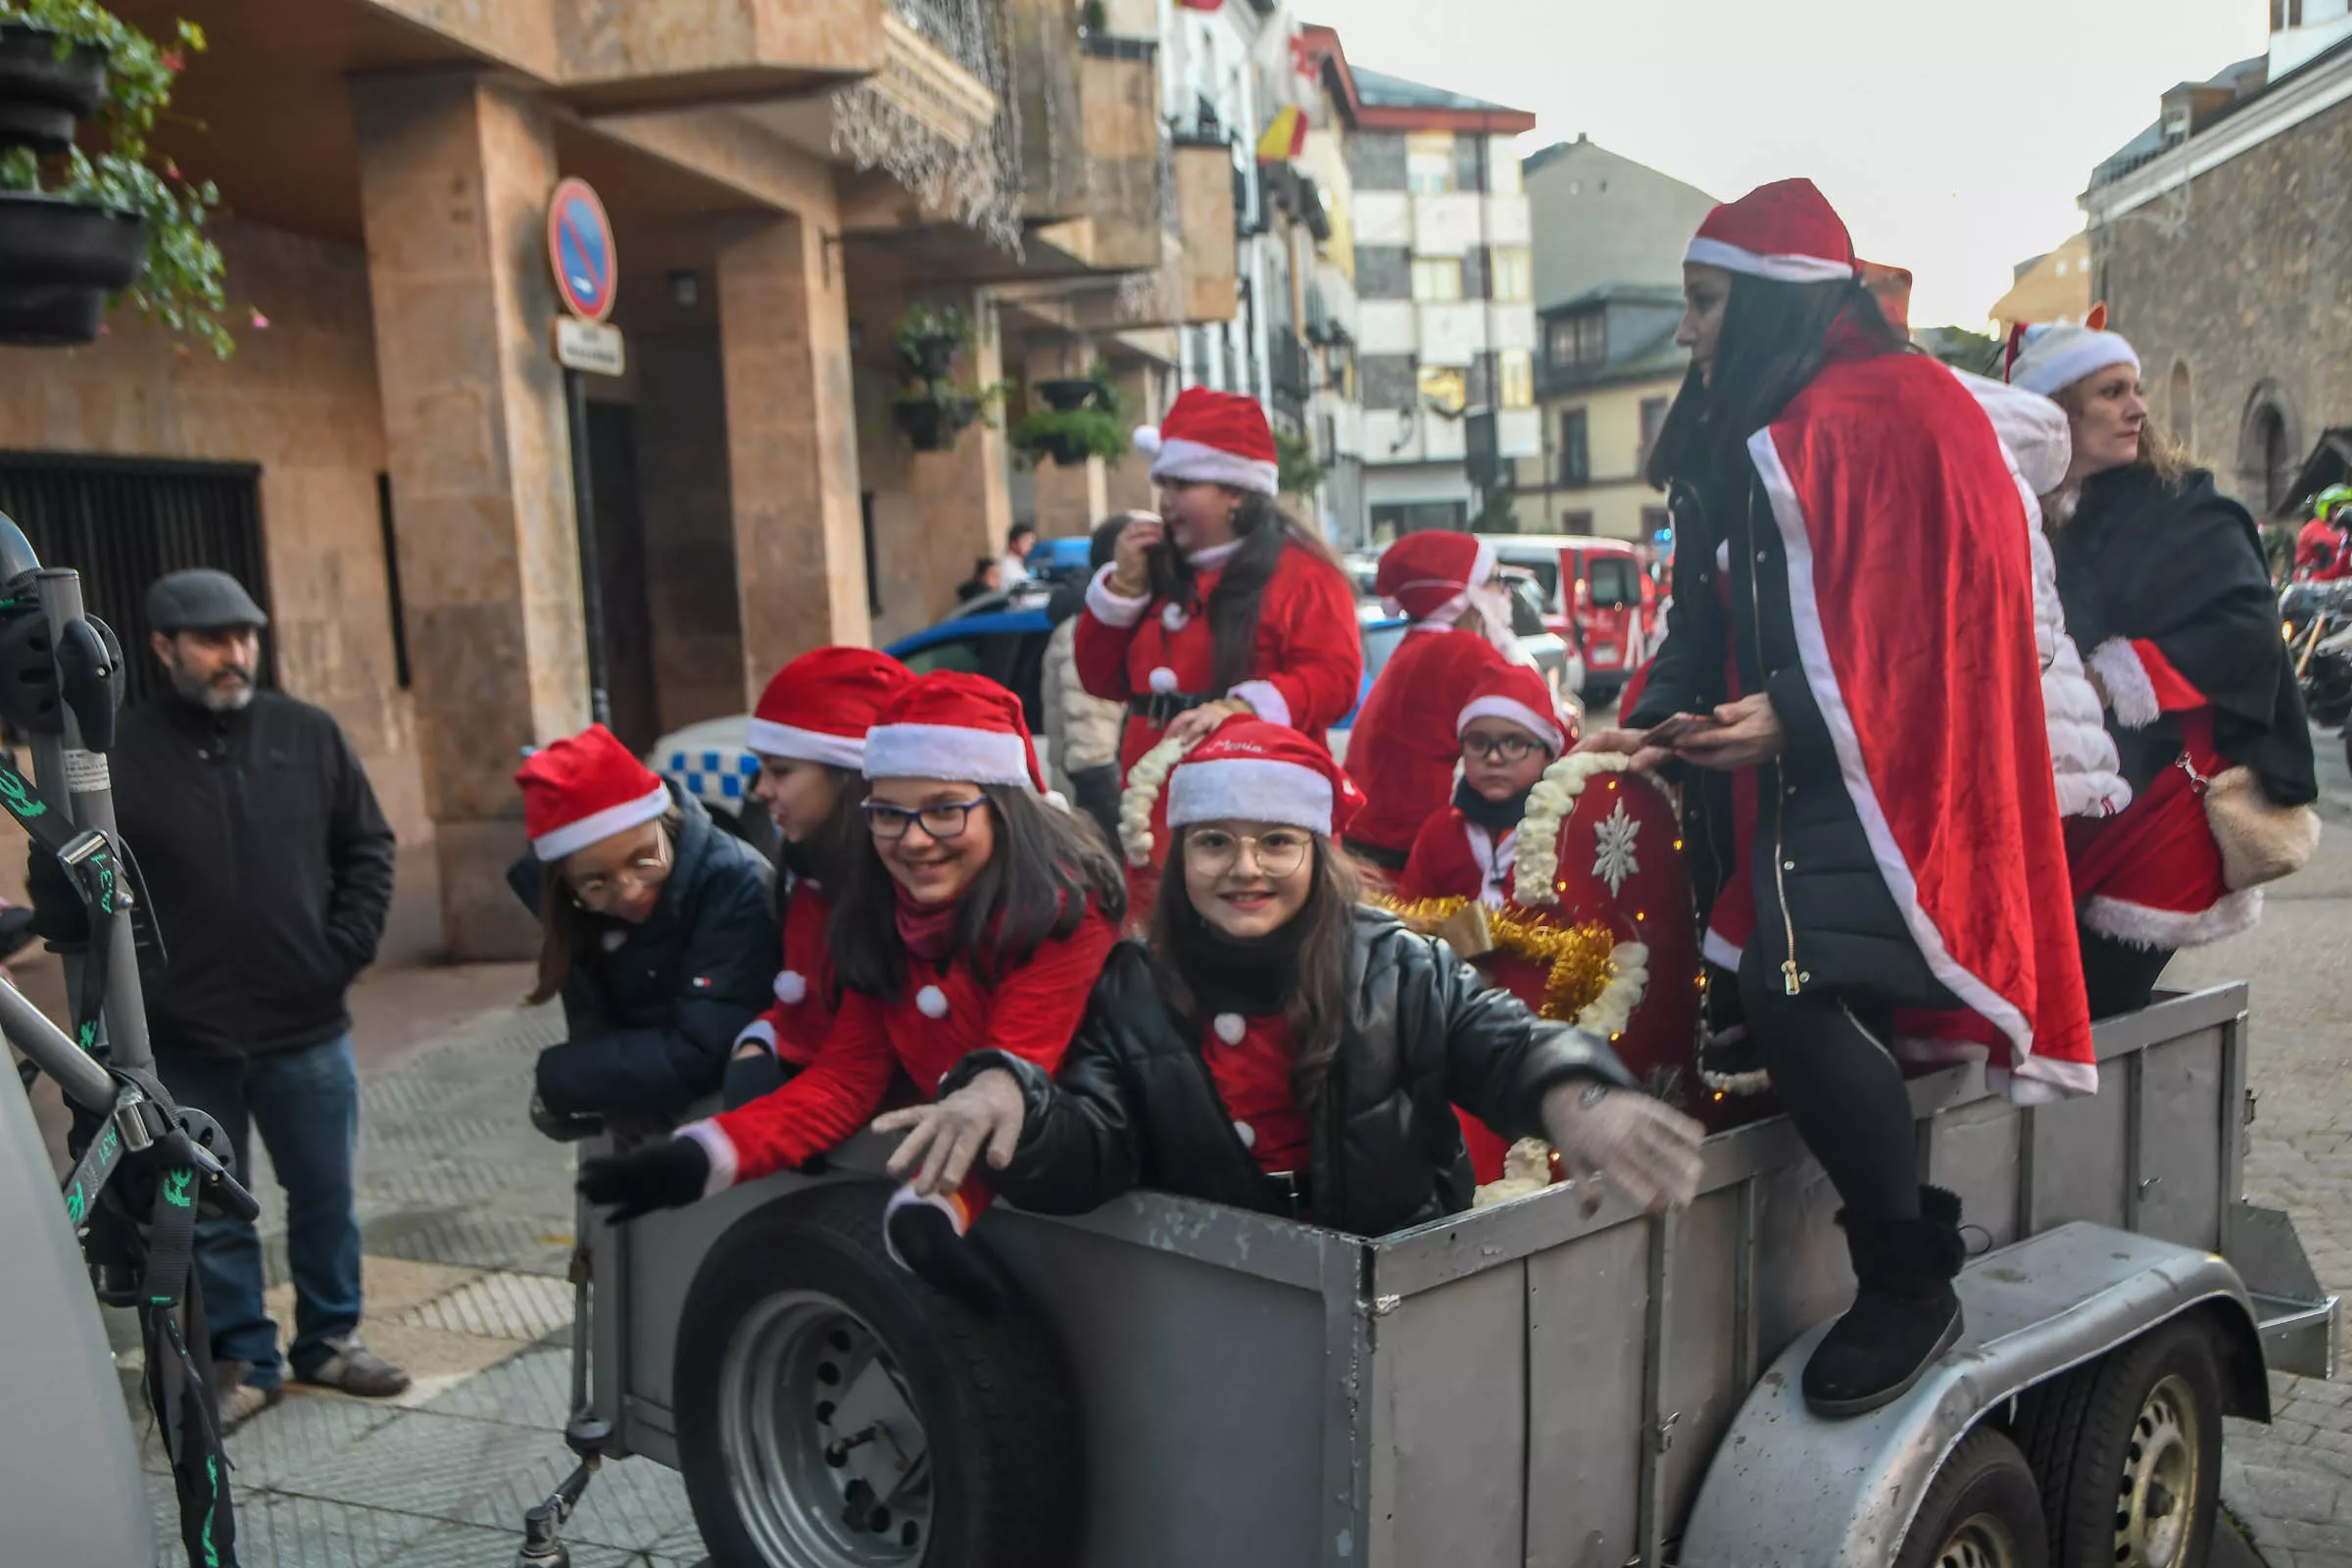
1511	731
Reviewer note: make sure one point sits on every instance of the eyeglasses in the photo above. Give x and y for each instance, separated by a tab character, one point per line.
642	876
1277	853
1501	748
942	819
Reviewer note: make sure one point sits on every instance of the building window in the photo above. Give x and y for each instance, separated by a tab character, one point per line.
1445	388
1653	420
1502	170
1576	447
1576	522
1429	162
1517	372
1437	280
1657	524
1511	272
1578	340
2180	412
400	617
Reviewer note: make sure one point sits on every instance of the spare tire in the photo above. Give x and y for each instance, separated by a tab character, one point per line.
834	1412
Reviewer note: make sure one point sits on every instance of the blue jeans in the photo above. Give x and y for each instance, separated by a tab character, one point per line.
306	1104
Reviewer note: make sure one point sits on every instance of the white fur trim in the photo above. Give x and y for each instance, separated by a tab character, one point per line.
1110	609
1264	701
792	988
1718	951
1230	1027
931	1003
724	1165
759	1029
1780	269
947	1204
1250	789
1820	676
1214	556
1164	679
2080	353
1245	1133
2145	926
597	826
1147	439
949	752
2130	692
789	741
1178	459
1547	730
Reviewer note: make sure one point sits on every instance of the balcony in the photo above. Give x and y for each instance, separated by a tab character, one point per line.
1291	368
615	58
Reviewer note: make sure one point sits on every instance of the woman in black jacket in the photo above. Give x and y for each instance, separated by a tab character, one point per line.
656	928
2169	596
1280	1048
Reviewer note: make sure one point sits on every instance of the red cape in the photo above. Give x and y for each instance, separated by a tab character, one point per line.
1912	592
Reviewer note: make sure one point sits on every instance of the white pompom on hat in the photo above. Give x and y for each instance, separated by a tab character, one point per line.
1214	438
584	789
951	725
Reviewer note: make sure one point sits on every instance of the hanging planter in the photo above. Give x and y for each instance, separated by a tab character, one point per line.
42	94
1070	436
58	261
933	425
1066	393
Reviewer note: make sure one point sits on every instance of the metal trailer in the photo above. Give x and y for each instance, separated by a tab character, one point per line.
1528	1385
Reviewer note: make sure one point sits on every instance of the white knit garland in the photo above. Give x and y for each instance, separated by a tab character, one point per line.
1547	807
1144	783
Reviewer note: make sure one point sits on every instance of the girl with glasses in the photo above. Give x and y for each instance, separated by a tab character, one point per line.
974	917
1509	731
1280	1047
654	929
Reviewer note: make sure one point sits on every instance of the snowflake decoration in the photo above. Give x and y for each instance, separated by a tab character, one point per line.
1614	861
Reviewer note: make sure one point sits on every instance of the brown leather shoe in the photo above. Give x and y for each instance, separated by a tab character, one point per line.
357	1370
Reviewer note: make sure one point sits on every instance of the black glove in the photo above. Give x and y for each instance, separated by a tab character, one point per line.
58	912
756	1074
670	1174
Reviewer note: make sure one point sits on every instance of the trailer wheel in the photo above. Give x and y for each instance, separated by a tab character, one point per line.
836	1413
2128	1450
1982	1510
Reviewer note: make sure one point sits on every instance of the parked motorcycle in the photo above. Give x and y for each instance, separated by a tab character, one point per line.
2316	618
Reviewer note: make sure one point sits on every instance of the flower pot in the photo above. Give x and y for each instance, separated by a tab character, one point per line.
1066	393
933	357
934	426
41	96
58	261
1065	451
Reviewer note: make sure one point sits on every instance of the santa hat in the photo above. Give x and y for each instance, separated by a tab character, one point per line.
818	708
1251	771
951	725
1429	575
1890	286
1219	437
584	789
1786	231
1517	695
2048	359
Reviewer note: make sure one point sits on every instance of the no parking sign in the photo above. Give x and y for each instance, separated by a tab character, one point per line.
587	269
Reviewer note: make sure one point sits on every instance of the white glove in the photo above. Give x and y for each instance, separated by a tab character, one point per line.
1646	1149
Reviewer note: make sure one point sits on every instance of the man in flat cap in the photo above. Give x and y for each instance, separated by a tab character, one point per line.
268	870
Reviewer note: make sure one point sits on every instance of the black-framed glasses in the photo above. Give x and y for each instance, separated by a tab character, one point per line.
1278	852
942	819
1501	748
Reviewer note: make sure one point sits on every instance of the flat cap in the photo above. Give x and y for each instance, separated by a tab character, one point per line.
201	599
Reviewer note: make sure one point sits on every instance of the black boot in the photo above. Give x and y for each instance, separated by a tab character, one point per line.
1906	1314
925	1240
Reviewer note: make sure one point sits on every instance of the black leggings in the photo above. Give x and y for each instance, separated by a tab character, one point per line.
2118	976
1841	1087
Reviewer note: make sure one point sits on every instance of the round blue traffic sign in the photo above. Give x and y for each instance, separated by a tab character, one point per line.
579	247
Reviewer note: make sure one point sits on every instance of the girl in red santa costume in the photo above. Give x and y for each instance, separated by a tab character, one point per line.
976	918
1280	1047
1401	744
808	733
1841	677
1509	730
1223	604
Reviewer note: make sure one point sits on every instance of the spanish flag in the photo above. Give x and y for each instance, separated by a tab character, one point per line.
1284	138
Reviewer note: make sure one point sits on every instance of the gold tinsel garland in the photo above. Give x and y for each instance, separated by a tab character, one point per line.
1576	957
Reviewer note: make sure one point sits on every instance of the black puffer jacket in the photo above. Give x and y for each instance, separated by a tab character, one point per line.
653	1018
1133	1104
1816	882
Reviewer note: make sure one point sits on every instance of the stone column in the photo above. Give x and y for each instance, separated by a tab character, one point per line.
1069	501
791	442
1128	486
455	171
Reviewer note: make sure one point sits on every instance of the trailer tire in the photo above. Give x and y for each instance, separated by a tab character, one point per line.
1982	1511
798	1302
2122	1444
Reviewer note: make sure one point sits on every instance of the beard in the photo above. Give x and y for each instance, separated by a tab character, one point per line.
230	689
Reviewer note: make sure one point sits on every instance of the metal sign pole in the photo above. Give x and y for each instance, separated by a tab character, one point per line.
592	582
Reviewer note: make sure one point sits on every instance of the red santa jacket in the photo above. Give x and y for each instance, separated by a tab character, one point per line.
1453	857
1249	1061
797	1022
1304	672
1402	750
945	1012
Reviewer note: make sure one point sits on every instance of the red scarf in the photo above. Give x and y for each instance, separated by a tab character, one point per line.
927	929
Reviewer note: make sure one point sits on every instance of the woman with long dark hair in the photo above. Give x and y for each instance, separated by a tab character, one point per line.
809	734
2166	590
654	929
1280	1047
1223	604
976	918
1852	673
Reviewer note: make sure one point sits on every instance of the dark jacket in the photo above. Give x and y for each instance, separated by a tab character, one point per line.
653	1018
1133	1104
269	869
2182	567
1816	882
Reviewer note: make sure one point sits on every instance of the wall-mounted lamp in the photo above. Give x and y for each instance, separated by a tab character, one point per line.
684	289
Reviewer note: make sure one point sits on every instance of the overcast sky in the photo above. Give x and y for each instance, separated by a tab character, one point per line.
1953	137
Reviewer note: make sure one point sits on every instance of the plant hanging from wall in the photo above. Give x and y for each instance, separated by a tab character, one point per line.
930	406
1083	417
76	225
1297	471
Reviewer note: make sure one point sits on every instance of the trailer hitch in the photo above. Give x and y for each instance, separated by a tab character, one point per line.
585	1435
